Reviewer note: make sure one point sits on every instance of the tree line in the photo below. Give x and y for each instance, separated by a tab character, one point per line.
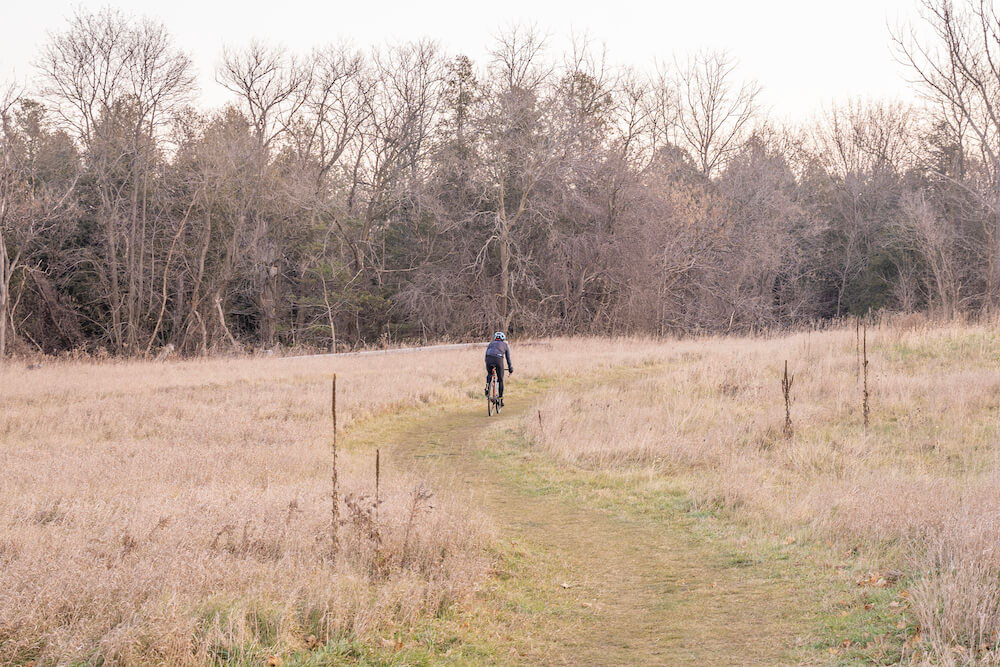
350	196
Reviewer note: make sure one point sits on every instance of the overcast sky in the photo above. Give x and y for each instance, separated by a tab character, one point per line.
805	53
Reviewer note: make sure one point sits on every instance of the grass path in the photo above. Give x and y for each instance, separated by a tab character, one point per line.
593	586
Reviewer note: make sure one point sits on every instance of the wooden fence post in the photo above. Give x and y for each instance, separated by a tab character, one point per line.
335	498
864	366
786	389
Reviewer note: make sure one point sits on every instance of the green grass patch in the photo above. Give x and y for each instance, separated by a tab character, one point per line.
869	624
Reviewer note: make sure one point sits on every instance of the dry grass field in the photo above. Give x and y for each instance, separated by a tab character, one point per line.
916	497
179	512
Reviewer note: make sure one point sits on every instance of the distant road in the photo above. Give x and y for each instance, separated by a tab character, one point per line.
395	350
403	350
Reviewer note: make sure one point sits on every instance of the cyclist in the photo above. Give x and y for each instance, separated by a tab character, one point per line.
495	353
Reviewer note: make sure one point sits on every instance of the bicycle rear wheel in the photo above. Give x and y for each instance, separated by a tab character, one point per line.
490	404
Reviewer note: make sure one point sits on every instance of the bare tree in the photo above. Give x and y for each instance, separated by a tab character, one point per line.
269	83
767	229
958	67
8	191
864	149
519	144
29	204
348	195
934	239
335	109
632	142
114	82
713	113
395	140
271	86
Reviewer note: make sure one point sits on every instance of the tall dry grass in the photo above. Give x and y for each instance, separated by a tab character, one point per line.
920	491
179	512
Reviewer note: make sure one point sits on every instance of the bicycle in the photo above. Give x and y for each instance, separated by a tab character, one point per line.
493	402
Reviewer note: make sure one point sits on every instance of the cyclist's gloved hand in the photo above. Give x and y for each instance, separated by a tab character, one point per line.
510	370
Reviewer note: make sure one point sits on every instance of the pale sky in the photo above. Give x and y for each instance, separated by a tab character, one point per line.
807	54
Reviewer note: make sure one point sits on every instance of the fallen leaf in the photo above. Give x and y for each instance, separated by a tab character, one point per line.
874	579
274	661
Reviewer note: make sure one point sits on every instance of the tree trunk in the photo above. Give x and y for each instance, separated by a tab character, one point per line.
222	318
4	269
4	298
132	273
329	315
992	264
3	322
268	297
115	292
178	309
504	270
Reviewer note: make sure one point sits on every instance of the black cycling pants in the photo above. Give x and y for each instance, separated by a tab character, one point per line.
497	363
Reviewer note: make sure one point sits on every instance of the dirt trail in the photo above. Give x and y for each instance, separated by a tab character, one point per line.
639	591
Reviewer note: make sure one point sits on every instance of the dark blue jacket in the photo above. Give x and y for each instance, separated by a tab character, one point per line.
497	350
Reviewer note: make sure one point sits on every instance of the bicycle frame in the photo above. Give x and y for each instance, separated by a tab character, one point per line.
493	399
493	405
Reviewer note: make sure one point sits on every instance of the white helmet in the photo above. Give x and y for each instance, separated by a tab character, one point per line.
499	336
